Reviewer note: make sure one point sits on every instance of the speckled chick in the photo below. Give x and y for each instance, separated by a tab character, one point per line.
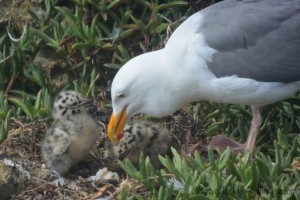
73	133
144	137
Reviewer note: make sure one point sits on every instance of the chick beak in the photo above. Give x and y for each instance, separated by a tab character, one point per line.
87	102
123	155
115	129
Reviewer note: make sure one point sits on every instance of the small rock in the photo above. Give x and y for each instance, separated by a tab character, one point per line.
12	182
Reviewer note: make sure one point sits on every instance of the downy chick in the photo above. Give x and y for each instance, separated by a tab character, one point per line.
144	137
73	133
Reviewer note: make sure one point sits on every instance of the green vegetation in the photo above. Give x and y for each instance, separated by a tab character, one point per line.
89	41
222	177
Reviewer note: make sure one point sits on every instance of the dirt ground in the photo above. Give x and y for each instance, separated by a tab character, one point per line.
23	148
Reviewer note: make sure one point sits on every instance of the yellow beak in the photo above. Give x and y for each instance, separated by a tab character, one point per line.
115	129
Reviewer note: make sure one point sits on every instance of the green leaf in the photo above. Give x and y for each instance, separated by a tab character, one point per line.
51	42
2	39
130	169
112	4
124	52
212	129
70	17
226	182
107	46
4	125
125	34
242	129
142	26
38	100
144	3
233	170
81	46
94	25
3	132
42	112
276	169
124	193
264	172
34	17
112	66
176	159
142	165
35	74
26	108
22	94
214	183
223	159
162	27
198	197
212	160
171	5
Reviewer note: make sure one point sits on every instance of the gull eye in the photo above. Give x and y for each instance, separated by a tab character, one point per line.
121	95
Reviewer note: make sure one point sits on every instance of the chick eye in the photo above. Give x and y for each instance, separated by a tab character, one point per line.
121	95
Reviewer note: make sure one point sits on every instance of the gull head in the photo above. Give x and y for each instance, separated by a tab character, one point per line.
138	87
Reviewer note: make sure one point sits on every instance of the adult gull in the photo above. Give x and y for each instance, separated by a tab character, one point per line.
235	51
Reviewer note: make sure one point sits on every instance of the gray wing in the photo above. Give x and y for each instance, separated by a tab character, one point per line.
254	39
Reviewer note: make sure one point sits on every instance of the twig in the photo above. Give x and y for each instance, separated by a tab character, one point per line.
91	85
11	82
4	59
4	17
8	57
66	40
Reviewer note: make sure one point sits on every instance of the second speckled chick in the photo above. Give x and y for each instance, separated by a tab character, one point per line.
144	137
